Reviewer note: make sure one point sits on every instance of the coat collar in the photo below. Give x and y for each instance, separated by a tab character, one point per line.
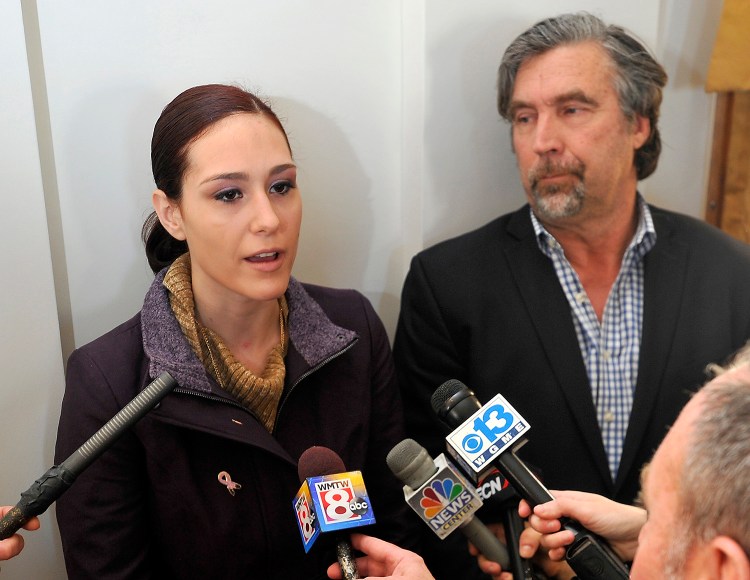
665	270
311	333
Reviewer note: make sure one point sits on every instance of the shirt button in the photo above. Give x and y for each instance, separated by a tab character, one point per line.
581	297
609	416
606	355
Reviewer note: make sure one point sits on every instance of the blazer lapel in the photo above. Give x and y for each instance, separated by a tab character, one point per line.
550	313
665	271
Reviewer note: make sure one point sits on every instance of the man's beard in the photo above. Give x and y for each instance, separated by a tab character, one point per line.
558	200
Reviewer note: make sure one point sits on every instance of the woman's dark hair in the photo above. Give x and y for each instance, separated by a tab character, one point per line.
182	121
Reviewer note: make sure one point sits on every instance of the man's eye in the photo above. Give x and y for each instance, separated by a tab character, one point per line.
228	195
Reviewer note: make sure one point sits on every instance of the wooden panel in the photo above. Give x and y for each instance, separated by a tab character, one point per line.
735	216
719	151
729	182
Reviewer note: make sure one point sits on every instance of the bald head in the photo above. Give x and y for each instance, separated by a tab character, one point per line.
696	488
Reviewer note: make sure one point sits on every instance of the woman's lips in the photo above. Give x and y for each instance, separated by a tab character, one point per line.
262	257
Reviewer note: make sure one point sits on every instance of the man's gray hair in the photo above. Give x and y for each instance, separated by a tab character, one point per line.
714	494
638	78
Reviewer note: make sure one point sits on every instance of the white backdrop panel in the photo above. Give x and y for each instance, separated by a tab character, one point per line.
30	358
332	70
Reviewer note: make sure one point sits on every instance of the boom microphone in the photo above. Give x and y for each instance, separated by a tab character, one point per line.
490	434
442	498
331	499
56	481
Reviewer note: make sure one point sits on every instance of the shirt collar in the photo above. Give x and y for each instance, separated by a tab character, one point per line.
643	239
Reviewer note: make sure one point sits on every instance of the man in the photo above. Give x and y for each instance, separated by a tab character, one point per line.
695	492
592	312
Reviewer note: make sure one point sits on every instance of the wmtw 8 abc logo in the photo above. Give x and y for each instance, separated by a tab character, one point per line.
336	499
487	433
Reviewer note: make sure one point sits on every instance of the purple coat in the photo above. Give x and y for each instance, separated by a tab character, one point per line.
153	505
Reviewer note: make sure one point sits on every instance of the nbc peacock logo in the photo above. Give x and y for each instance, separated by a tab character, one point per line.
446	504
439	495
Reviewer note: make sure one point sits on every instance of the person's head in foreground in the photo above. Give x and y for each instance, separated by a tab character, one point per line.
697	487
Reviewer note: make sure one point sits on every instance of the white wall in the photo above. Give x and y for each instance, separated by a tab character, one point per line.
390	109
30	355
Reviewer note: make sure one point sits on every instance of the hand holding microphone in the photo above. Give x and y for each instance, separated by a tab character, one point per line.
331	499
489	435
56	481
619	523
11	547
384	561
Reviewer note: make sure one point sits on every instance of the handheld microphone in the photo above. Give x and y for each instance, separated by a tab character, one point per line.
442	497
491	434
56	481
331	499
498	494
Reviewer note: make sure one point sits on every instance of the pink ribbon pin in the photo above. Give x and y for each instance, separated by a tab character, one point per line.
225	479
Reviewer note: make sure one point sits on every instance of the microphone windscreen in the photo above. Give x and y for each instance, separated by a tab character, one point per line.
411	463
445	392
317	460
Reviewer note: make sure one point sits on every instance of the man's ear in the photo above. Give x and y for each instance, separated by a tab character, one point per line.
641	131
725	559
169	214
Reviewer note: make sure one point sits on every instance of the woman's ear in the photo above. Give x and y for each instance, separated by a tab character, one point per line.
169	214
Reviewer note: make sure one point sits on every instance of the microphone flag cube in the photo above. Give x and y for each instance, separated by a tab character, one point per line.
445	501
307	522
493	429
329	503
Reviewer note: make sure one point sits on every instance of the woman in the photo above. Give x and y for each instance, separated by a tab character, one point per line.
266	367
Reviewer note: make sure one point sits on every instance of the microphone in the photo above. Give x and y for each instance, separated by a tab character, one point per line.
491	434
56	481
331	499
498	494
442	497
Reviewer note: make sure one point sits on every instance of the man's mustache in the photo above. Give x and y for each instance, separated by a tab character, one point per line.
555	169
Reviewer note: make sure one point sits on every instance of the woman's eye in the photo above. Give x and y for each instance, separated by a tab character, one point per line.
281	187
228	195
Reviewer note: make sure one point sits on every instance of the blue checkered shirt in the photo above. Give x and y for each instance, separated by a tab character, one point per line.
610	349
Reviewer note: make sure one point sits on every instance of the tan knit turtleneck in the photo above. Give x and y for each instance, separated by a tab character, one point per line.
260	395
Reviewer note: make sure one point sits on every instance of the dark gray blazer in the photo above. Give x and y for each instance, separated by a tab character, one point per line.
487	308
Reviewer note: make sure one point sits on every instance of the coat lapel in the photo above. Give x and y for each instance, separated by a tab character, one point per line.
550	313
665	272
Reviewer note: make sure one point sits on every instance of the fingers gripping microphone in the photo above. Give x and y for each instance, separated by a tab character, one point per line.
56	481
442	498
331	499
490	434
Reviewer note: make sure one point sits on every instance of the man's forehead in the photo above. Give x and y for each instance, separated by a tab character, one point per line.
583	70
